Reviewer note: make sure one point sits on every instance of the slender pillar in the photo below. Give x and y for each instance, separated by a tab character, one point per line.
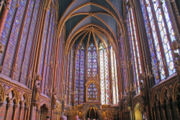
164	112
37	113
73	79
15	107
110	74
7	109
20	111
35	71
177	110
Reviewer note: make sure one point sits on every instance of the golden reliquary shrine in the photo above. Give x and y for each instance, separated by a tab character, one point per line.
89	59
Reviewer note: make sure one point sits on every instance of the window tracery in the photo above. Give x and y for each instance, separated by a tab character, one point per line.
158	23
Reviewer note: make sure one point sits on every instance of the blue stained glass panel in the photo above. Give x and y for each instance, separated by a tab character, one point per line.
150	42
23	40
29	42
7	67
44	40
7	25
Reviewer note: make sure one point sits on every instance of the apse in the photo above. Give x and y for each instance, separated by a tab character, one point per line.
95	70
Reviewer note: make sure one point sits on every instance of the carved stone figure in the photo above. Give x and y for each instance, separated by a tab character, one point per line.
37	90
54	98
1	94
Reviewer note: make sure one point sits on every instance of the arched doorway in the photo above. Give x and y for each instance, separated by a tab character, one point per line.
44	112
92	114
137	113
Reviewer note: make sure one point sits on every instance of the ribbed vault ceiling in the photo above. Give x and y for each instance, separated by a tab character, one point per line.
96	20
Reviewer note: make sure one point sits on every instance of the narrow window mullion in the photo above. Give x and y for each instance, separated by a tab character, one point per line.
135	50
68	84
79	76
135	42
116	80
112	75
140	61
75	78
104	77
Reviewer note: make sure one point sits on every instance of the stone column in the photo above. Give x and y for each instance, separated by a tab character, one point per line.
20	115
14	114
158	112
26	112
33	114
169	110
37	110
6	109
176	110
3	109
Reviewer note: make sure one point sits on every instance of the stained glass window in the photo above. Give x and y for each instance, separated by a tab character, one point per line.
26	60
12	36
92	71
92	61
114	77
79	76
8	24
23	40
151	35
102	82
135	49
17	20
92	92
156	12
44	40
70	77
48	71
104	75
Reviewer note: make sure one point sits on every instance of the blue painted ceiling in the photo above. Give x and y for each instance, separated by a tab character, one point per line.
106	14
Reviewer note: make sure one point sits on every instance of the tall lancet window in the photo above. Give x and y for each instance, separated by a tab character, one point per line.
104	75
92	61
80	76
114	77
135	48
160	34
